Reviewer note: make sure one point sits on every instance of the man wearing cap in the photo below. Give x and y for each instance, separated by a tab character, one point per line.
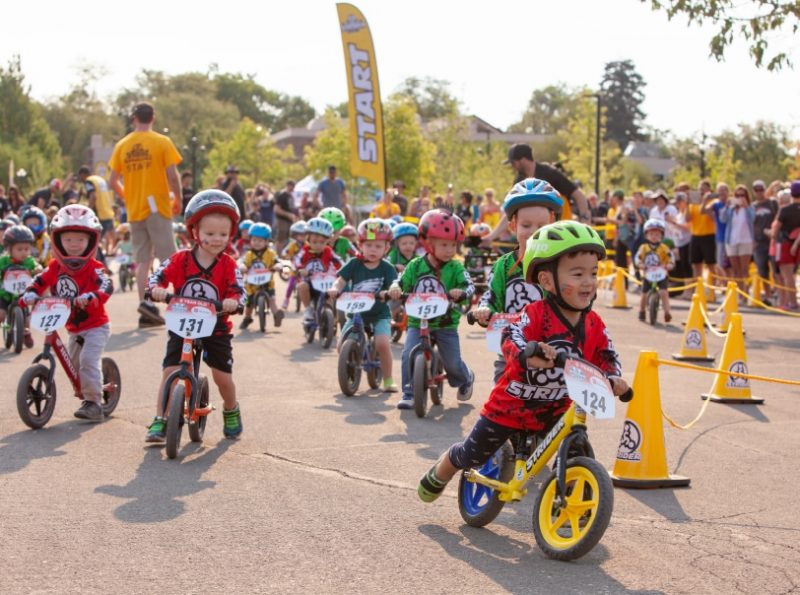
333	191
232	186
144	171
765	211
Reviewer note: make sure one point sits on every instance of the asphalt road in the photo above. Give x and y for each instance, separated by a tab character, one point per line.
319	493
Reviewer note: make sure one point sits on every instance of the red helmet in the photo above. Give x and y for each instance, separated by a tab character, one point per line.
75	218
440	224
207	202
374	229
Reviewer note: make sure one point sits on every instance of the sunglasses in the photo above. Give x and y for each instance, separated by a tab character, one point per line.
740	195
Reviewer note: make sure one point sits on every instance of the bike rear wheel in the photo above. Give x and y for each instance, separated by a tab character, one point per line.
397	326
479	504
349	367
110	398
437	369
419	384
198	428
36	397
18	324
652	306
261	308
374	372
570	531
175	419
327	328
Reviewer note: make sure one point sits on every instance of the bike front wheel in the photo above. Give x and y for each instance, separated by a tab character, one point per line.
652	306
479	504
349	367
568	529
112	386
327	328
198	428
36	396
374	372
419	384
18	323
261	308
175	419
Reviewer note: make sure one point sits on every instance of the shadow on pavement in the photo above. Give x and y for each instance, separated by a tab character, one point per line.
699	436
159	483
364	408
518	566
127	339
28	445
663	502
436	431
310	352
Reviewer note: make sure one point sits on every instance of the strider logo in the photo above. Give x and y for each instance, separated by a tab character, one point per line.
548	440
519	294
66	287
199	288
428	284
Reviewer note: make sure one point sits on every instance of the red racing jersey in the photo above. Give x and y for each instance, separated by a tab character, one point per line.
531	398
221	281
66	283
317	262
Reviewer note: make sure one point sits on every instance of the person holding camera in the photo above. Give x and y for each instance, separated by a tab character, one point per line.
738	216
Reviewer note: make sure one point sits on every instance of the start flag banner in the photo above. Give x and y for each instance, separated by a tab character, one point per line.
368	159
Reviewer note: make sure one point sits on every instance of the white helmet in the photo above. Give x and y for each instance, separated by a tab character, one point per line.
655	224
75	218
319	226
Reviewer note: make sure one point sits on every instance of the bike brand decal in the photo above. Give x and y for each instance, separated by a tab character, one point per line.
543	384
738	367
630	442
548	440
693	340
519	294
66	287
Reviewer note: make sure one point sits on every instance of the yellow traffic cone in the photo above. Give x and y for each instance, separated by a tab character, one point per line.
756	291
729	389
641	456
693	346
729	307
620	296
701	292
711	294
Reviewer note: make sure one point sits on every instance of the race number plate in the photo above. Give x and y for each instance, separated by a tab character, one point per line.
355	301
323	281
16	280
190	319
589	388
655	274
426	305
124	259
258	276
50	314
494	332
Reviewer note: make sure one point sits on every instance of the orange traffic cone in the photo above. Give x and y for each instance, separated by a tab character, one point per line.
641	456
620	296
729	307
693	346
729	389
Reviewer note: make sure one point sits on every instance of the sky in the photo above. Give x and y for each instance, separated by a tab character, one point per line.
494	54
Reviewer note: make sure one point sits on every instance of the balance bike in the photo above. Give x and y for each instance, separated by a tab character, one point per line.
15	281
358	351
426	367
324	317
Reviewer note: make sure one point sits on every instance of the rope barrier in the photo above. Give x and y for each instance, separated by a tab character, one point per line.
667	362
710	325
682	287
775	285
678	426
763	305
724	278
631	277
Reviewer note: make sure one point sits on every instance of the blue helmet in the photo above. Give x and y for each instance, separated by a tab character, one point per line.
405	229
245	225
31	212
397	218
319	226
532	192
391	223
261	230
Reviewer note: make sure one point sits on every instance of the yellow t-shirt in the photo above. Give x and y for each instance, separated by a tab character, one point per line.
701	224
264	262
382	211
566	210
142	159
102	198
492	219
611	229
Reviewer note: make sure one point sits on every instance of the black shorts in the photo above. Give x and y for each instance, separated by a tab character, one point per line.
107	225
217	352
4	304
251	299
703	249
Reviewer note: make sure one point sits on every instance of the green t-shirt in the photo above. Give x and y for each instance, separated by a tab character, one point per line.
361	278
344	249
6	263
508	291
395	257
420	277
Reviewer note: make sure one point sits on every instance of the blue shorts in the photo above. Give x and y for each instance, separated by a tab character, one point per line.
382	326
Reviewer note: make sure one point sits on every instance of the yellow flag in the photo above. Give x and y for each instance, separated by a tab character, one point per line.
368	159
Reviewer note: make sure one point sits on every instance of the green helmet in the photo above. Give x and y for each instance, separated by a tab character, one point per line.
551	242
334	216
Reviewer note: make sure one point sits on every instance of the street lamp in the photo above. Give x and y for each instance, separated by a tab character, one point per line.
598	97
192	149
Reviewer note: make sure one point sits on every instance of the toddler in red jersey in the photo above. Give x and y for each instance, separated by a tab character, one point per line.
205	271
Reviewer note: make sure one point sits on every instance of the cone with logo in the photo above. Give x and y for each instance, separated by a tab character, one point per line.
729	389
620	297
641	456
693	345
729	307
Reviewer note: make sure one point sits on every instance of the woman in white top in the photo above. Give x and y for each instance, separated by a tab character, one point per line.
739	216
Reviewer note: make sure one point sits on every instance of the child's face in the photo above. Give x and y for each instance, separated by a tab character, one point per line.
21	251
577	279
317	242
654	236
258	243
406	245
245	234
74	242
213	233
299	237
527	220
443	250
373	250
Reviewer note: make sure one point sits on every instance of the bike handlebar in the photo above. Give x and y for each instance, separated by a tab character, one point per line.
216	303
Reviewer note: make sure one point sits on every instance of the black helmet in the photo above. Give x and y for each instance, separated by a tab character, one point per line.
206	202
17	234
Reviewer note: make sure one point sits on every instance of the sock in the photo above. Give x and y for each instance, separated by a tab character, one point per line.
430	487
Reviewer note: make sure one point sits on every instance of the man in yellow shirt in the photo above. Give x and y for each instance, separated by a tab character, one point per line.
387	207
94	192
148	164
703	245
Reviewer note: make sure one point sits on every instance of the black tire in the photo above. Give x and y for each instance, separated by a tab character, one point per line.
419	384
123	277
110	398
652	306
374	375
437	367
296	302
488	505
175	419
327	328
8	330
18	329
261	309
197	429
350	367
397	331
593	522
36	398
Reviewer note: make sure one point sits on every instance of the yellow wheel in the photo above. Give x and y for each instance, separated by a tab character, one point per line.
568	529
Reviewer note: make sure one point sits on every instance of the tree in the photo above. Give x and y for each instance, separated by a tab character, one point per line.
761	148
431	96
409	155
330	147
548	110
754	21
622	95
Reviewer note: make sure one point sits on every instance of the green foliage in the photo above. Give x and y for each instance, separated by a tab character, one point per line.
761	148
635	176
622	91
756	22
330	147
549	109
409	155
431	96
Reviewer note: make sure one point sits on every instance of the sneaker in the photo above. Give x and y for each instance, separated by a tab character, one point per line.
145	322
407	402
233	422
667	317
465	392
27	339
278	318
308	315
246	321
430	487
285	304
389	386
641	315
89	410
157	431
150	311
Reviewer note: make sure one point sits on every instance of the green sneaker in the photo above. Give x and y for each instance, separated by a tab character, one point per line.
157	431
430	487
233	422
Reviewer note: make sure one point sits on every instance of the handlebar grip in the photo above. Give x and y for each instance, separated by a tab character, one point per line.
627	395
561	359
533	349
471	318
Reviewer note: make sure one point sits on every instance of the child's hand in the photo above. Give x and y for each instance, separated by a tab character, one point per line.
548	361
395	293
30	298
158	294
482	314
456	294
84	300
230	306
618	385
333	293
400	267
